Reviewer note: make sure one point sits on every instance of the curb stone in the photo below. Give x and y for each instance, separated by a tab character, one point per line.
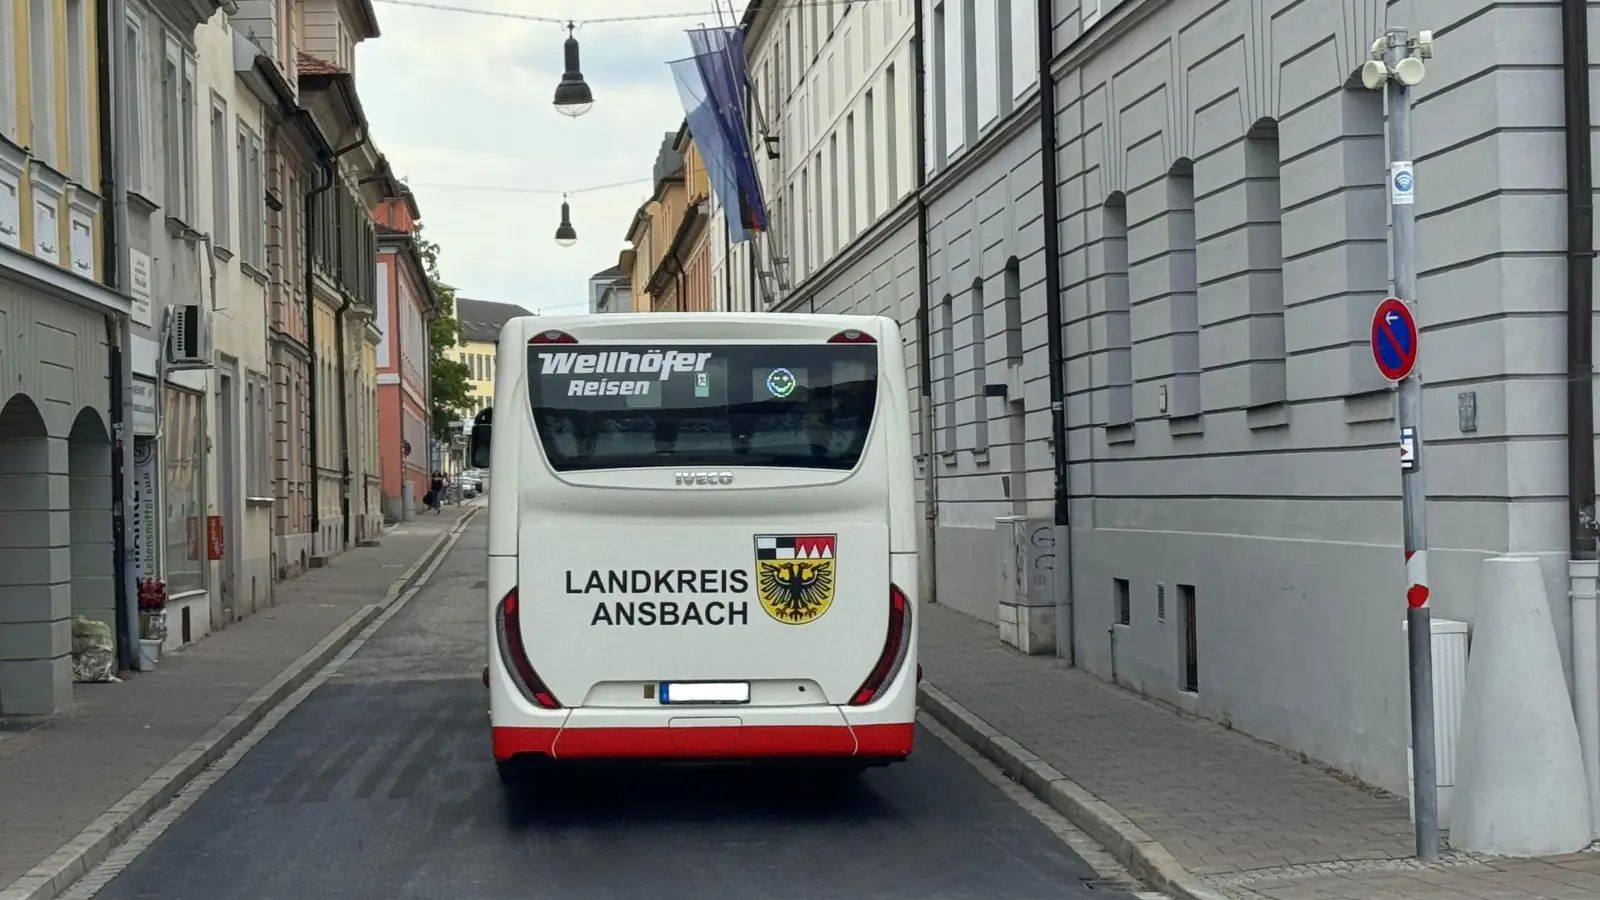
1144	856
52	877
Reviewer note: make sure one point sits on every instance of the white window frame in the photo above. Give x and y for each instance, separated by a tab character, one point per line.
138	170
172	128
80	44
8	79
41	85
221	174
191	137
252	199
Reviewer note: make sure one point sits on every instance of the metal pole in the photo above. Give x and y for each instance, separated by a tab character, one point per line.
1413	504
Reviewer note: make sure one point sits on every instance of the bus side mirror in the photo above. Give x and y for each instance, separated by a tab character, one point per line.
478	442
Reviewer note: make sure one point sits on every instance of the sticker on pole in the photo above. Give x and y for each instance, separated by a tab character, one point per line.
1402	184
1394	339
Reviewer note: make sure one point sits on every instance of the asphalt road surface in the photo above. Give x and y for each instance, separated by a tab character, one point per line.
380	785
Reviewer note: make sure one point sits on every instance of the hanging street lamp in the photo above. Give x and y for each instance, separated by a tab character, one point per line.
573	97
566	235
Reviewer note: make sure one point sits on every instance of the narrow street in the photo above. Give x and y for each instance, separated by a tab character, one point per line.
380	785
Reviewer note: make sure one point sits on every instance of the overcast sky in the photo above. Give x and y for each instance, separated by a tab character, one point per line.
462	99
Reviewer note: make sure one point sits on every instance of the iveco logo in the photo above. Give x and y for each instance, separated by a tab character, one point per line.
704	479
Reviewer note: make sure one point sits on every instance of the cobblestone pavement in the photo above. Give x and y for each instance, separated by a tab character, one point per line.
59	773
1249	819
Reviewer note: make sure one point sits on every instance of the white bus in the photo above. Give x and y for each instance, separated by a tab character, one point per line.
702	539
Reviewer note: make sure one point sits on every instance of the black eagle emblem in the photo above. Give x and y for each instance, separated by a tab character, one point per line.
796	589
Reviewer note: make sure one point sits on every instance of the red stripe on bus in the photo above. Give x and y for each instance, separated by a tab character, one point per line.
709	742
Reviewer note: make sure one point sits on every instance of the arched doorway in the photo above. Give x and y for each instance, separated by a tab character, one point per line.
35	583
89	497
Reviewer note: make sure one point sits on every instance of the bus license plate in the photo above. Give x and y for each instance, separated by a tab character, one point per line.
704	692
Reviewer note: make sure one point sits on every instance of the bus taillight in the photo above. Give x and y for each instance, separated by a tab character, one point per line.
896	644
852	336
552	337
508	625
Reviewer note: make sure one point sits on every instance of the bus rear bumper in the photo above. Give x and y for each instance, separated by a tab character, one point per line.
723	739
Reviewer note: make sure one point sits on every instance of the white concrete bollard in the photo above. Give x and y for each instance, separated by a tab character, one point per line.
1520	787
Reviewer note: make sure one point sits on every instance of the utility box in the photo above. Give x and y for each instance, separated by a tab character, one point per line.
1026	588
1450	648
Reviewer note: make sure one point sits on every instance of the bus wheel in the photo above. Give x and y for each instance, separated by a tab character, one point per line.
511	771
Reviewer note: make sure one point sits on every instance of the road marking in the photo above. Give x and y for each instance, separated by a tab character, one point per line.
1105	866
123	856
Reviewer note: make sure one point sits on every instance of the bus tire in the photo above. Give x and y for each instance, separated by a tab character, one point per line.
510	771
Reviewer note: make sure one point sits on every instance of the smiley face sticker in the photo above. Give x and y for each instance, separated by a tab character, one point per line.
781	382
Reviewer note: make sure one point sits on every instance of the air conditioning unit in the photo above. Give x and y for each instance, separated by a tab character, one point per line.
189	341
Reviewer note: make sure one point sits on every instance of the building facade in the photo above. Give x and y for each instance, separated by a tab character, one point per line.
478	324
231	208
609	291
405	310
58	321
1215	241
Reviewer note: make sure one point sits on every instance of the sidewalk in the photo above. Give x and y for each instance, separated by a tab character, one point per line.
1235	817
59	774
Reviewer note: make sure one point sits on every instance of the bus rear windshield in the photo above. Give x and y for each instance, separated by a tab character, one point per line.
632	406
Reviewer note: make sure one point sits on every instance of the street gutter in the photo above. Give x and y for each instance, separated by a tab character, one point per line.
1144	857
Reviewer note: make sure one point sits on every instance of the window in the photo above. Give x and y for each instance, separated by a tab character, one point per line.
1024	50
819	215
258	474
869	135
1124	602
252	199
184	453
135	58
836	209
749	405
41	57
939	107
958	107
891	155
805	223
947	376
1118	328
982	54
980	369
221	203
172	120
78	91
8	79
850	173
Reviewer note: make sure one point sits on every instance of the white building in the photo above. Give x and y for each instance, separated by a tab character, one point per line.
232	211
832	109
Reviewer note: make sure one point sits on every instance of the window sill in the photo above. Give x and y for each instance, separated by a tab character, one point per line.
178	226
144	204
259	501
186	596
223	253
253	272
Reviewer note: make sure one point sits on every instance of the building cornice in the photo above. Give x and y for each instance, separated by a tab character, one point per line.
62	283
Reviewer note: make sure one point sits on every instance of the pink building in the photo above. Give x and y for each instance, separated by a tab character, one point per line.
405	307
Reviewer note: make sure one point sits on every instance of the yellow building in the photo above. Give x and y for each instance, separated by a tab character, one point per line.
55	401
478	324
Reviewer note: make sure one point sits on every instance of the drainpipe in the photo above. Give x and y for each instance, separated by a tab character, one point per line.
1582	566
930	481
119	329
1066	630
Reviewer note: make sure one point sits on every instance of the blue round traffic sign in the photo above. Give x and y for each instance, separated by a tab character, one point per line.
1394	339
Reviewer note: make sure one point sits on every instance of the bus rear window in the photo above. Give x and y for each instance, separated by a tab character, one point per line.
632	406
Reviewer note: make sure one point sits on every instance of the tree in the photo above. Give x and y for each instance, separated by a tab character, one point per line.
450	384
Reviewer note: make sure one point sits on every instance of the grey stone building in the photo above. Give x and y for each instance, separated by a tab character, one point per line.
1222	222
1221	230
